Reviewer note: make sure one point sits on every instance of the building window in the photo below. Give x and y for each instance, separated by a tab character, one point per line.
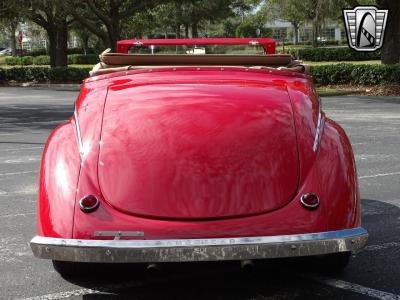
343	35
328	34
26	46
43	44
305	35
280	34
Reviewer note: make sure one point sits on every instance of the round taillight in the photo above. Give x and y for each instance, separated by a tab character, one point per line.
89	203
309	200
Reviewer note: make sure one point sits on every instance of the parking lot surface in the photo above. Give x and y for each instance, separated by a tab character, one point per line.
27	116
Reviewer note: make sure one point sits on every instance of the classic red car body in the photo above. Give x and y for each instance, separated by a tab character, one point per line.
197	153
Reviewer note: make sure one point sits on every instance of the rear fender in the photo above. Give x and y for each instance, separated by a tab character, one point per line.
339	177
66	156
329	169
58	178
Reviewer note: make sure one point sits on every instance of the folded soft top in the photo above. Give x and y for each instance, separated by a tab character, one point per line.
114	62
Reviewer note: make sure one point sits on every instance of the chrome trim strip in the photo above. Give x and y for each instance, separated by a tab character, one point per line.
317	132
199	249
78	132
118	234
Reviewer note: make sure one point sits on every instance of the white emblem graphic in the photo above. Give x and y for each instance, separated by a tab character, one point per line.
365	26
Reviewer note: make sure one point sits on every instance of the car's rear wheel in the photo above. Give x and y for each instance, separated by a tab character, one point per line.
69	269
335	262
72	269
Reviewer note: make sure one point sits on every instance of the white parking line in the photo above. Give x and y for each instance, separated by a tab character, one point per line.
356	288
17	215
379	175
17	173
34	122
23	192
64	295
23	148
22	160
382	246
4	134
86	291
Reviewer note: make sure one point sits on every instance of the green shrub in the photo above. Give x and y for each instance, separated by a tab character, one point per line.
2	75
41	60
37	52
75	51
332	54
323	74
76	59
44	74
13	60
26	60
41	52
356	74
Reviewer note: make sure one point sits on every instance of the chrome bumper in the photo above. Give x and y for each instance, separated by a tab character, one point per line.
136	251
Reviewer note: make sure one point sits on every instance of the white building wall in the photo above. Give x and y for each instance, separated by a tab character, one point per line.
281	24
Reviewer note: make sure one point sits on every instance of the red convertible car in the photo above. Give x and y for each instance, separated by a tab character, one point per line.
190	150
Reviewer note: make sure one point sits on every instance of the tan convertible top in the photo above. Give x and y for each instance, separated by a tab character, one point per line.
114	62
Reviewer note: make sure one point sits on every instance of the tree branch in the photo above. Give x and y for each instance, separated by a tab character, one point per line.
101	15
353	3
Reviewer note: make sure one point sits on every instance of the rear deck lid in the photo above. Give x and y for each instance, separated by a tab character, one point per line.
198	151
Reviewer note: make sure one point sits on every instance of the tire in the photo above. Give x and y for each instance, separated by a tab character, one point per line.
335	262
72	269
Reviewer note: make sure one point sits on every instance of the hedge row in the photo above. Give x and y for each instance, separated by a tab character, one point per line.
324	74
41	52
78	59
45	60
356	74
332	54
44	74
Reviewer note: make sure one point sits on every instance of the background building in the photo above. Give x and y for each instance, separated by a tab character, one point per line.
284	31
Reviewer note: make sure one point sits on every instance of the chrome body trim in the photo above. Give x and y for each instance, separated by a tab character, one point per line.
118	234
78	132
317	132
212	249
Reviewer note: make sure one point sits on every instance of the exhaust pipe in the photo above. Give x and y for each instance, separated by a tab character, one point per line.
153	270
247	266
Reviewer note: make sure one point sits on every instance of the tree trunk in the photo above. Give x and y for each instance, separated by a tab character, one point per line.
85	43
52	34
391	44
61	44
178	31
11	37
58	44
296	33
112	43
195	32
186	30
113	33
315	34
113	29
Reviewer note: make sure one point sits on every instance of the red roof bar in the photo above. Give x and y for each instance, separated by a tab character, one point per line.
267	43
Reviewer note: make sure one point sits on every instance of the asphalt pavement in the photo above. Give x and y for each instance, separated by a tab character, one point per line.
27	117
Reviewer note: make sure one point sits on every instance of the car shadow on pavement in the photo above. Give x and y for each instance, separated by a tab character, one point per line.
13	117
269	279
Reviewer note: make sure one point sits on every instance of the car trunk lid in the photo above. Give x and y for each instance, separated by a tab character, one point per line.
198	151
